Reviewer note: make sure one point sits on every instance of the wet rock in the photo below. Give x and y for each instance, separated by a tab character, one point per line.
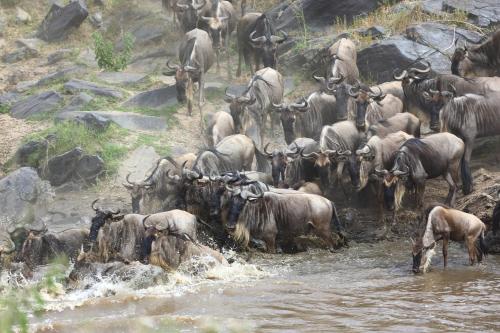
60	169
128	120
19	54
493	243
379	60
23	198
121	78
22	16
59	75
155	99
31	153
36	105
77	102
76	85
373	32
484	13
89	168
60	21
319	13
58	56
94	121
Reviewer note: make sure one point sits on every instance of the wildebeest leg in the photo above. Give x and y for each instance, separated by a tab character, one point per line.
471	247
419	192
381	203
217	57
240	54
189	94
270	241
452	192
467	181
256	60
445	251
226	48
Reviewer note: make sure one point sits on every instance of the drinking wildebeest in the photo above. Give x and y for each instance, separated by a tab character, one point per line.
219	26
377	154
373	107
279	162
445	223
479	60
469	117
196	56
220	125
405	122
277	217
252	108
257	42
420	159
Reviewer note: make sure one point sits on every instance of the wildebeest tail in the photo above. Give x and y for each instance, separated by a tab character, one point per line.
263	164
466	176
335	223
200	221
482	249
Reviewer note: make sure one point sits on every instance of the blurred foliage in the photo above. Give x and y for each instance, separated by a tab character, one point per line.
107	57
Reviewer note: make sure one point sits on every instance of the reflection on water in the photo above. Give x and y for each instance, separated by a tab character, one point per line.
367	287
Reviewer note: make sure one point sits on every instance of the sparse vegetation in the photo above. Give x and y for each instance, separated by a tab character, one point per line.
107	57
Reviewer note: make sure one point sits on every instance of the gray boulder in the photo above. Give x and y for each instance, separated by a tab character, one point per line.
58	56
93	121
31	153
155	99
62	74
36	105
78	102
76	85
19	54
60	169
121	78
60	21
440	36
89	168
379	60
23	198
484	13
373	32
9	98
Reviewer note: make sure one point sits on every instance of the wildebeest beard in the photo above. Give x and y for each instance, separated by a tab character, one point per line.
417	259
97	223
361	114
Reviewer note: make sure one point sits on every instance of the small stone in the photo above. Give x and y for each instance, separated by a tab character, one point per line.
58	56
22	16
19	54
93	121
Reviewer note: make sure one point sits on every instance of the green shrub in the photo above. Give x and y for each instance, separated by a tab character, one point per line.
106	55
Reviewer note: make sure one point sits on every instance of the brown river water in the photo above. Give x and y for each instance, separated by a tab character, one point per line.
366	287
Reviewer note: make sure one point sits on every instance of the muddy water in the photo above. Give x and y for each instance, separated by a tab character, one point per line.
368	287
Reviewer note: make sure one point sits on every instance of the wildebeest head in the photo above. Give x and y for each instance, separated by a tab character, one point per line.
237	106
238	199
101	217
458	56
263	39
340	89
33	249
438	99
216	26
137	191
184	75
421	255
288	116
279	162
410	75
364	96
322	159
366	155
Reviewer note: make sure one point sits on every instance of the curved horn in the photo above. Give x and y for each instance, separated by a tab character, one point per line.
303	105
278	39
128	180
364	151
278	107
378	96
427	69
184	164
199	6
434	91
189	68
115	212
265	150
174	67
168	175
182	6
93	203
320	79
260	39
345	153
336	80
313	154
400	173
352	93
401	76
205	18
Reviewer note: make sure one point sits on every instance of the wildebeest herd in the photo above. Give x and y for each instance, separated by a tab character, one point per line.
346	137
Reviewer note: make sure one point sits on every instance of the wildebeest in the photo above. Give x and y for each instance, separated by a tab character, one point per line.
196	56
378	154
420	159
469	117
302	169
220	25
338	144
169	251
307	117
233	153
308	187
220	125
405	122
40	249
257	41
252	108
343	61
187	13
278	216
445	223
174	221
480	60
372	107
394	88
279	162
416	82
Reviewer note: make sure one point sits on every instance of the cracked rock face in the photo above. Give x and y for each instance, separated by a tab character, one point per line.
483	13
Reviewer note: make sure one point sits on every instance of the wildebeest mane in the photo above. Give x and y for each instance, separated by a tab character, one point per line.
414	92
460	111
487	54
221	162
416	148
